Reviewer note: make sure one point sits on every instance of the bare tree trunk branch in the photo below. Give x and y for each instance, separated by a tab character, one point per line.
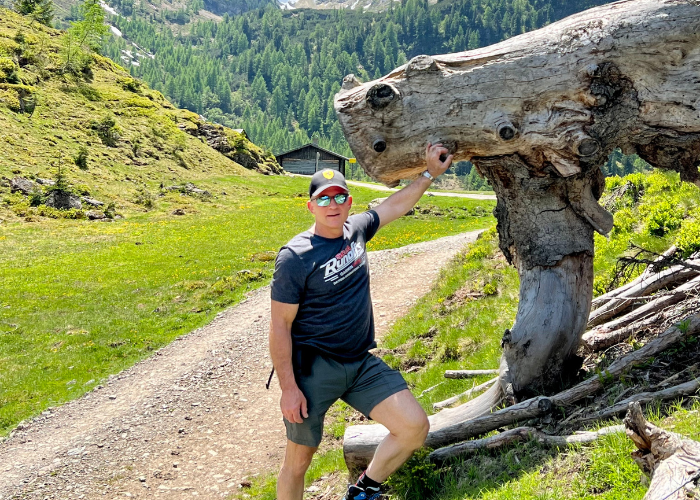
672	461
519	435
677	391
465	394
469	373
676	274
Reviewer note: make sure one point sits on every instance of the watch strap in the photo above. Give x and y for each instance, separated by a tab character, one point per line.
427	175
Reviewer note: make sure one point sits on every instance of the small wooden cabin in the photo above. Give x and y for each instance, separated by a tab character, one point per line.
310	158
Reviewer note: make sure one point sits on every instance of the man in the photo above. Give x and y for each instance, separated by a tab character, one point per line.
322	329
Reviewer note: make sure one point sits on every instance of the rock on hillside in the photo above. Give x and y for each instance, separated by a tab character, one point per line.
112	135
234	146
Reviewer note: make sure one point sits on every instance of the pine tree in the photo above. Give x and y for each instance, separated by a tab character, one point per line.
39	10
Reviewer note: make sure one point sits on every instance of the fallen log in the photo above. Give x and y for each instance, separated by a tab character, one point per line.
602	299
676	274
680	331
677	391
598	339
519	435
534	407
468	420
360	441
656	305
672	460
450	401
469	373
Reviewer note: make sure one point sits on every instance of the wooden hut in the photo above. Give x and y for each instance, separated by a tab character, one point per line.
311	158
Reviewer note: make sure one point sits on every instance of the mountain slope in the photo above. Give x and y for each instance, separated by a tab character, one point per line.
275	72
114	138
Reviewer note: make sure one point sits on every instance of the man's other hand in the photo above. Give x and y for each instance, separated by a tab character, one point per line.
293	405
435	166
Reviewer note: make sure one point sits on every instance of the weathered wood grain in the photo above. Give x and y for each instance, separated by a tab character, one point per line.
672	460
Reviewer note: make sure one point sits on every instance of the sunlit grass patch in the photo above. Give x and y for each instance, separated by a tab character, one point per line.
132	286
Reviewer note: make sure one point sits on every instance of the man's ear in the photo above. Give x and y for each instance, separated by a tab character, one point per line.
349	201
309	205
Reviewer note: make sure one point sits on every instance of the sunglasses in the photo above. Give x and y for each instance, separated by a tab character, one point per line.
325	200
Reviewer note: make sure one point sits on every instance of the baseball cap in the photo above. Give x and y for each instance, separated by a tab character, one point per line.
323	179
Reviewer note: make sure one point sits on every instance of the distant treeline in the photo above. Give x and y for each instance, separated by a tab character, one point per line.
275	72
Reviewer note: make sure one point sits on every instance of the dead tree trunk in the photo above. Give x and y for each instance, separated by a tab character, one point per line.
672	461
537	115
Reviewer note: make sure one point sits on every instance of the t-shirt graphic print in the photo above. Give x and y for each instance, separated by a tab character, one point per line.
329	279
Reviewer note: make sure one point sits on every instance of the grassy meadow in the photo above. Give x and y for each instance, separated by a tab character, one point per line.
82	300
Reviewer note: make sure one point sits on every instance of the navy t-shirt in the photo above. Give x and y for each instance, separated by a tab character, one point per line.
329	279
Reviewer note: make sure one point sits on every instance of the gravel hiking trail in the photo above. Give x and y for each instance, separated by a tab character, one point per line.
194	419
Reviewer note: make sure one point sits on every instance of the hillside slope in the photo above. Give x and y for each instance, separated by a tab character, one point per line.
115	139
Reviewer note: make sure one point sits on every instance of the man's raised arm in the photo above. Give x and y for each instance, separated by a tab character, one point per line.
402	201
293	402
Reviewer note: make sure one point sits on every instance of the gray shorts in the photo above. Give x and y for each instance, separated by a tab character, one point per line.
362	384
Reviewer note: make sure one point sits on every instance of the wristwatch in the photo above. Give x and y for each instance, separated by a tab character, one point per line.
427	175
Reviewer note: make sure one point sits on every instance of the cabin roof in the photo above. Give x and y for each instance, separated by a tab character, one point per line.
340	157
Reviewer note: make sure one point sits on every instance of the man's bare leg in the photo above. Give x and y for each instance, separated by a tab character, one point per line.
290	483
408	427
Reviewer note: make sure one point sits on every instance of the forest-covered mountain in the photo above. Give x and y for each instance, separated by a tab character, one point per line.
275	72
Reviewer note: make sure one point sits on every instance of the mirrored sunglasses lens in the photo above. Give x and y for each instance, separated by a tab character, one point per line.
341	198
323	201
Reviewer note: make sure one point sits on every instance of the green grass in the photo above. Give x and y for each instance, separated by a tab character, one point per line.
451	328
84	300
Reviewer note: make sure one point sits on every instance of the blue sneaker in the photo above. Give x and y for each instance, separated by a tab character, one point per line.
356	493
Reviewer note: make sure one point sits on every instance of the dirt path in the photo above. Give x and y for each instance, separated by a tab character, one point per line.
429	193
195	419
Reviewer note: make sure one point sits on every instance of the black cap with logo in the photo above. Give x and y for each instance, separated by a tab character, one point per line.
323	179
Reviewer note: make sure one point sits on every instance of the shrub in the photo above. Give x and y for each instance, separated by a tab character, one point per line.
90	93
36	198
111	210
130	84
418	478
107	130
625	221
491	288
55	213
144	197
688	240
81	159
664	217
9	72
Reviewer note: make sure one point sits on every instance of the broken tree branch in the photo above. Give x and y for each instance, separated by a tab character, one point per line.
672	460
677	391
680	331
599	338
469	373
676	274
599	301
658	304
465	394
519	435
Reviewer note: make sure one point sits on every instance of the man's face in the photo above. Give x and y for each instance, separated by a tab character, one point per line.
333	216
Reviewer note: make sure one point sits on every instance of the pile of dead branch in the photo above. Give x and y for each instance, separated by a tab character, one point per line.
640	348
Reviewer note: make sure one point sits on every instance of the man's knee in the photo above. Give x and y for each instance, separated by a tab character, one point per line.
297	459
414	430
